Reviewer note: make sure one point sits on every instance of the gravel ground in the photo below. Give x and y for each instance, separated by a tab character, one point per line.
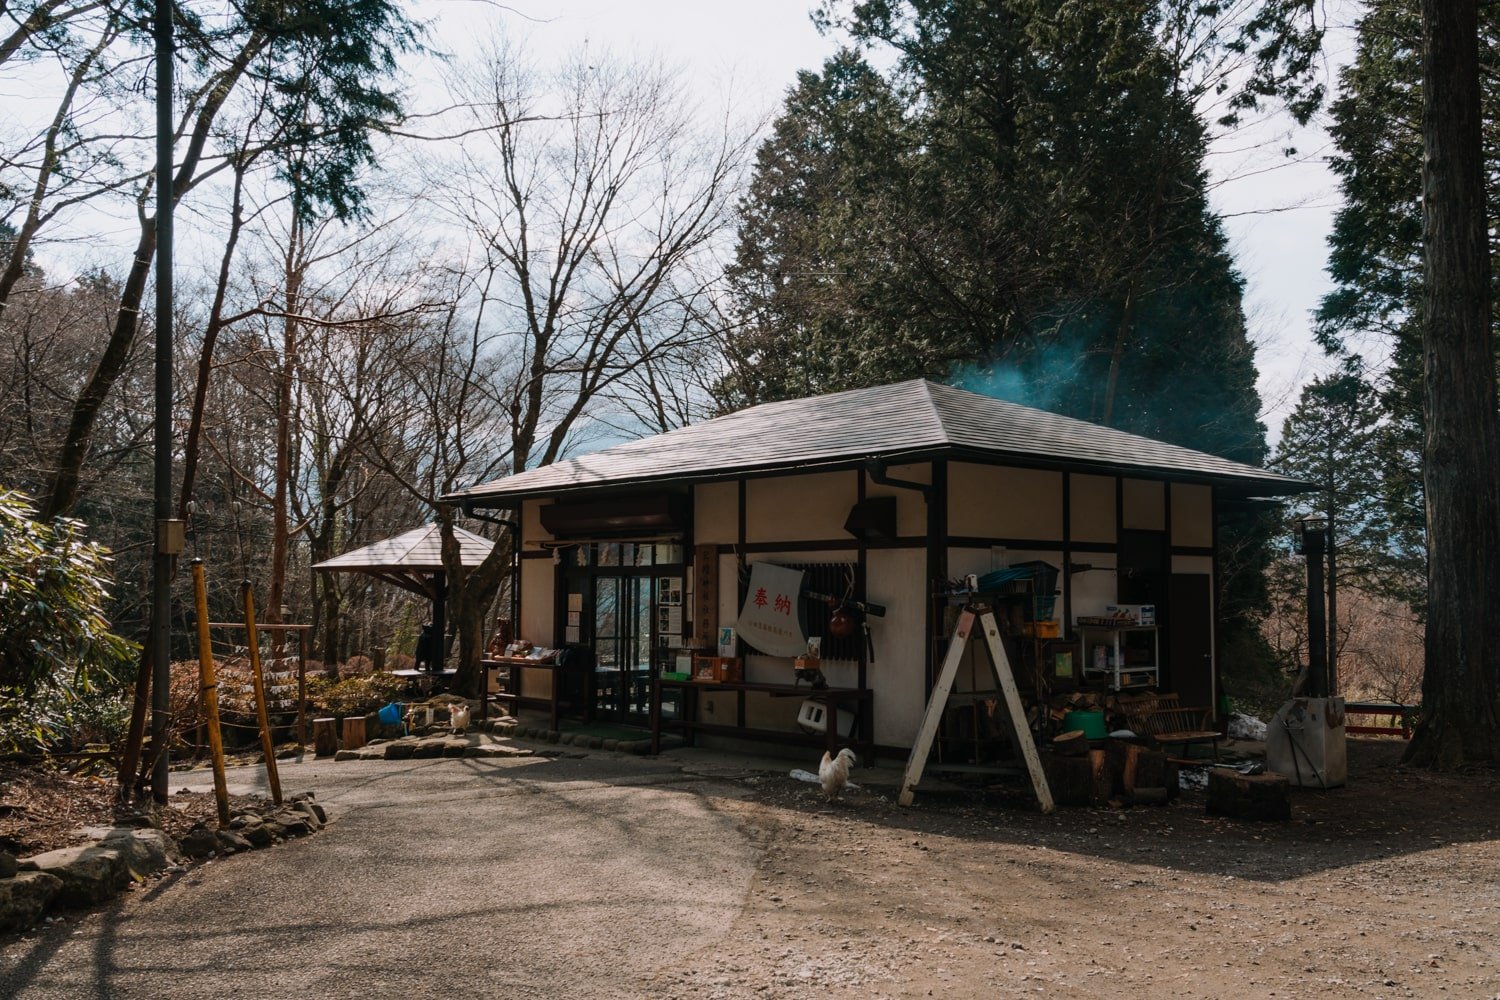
687	876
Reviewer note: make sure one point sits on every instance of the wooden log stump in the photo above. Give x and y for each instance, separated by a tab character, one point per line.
1249	796
1102	779
1071	744
354	732
1070	778
325	737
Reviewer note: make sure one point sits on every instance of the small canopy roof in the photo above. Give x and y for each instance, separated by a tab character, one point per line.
410	560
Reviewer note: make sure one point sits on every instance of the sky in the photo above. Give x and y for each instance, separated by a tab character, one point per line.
744	55
1278	212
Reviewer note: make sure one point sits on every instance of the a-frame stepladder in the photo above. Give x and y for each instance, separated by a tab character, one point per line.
981	617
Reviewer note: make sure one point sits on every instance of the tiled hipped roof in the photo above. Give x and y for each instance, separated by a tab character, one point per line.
418	549
906	420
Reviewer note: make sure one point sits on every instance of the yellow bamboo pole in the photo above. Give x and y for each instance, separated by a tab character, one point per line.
210	687
259	680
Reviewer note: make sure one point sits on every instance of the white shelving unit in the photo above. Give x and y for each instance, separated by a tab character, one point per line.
1113	640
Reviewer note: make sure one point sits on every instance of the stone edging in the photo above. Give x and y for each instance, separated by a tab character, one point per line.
85	874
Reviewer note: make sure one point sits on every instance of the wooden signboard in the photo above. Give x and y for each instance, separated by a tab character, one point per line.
705	595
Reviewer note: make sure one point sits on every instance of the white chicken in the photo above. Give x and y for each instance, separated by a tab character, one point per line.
458	715
833	772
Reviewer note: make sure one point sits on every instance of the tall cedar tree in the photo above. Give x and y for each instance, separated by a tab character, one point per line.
1019	207
1461	455
1380	261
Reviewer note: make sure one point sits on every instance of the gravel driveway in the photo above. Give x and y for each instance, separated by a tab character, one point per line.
437	878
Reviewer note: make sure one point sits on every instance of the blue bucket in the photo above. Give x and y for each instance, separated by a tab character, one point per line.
390	715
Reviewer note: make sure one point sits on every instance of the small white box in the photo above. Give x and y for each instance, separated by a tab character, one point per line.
813	718
1138	614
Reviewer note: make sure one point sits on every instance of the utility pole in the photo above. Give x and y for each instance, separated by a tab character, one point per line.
169	533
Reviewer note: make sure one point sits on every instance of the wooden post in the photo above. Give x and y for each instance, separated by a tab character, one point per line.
354	732
325	737
301	686
209	684
253	642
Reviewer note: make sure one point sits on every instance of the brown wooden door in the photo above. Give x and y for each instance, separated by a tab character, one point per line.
1190	639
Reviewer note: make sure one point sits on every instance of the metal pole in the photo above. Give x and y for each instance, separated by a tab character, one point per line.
1315	548
161	580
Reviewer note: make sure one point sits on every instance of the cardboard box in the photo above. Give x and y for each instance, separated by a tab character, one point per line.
718	669
1137	614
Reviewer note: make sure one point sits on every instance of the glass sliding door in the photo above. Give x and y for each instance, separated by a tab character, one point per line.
629	599
622	647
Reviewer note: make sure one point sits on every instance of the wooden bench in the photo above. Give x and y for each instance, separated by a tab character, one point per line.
1160	718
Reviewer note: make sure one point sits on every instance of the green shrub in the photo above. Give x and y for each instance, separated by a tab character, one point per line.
353	695
55	643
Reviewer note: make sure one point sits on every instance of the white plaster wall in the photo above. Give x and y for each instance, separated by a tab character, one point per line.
898	675
1193	564
911	507
536	601
536	620
1192	515
532	531
799	508
1095	589
716	516
1092	499
1145	505
990	501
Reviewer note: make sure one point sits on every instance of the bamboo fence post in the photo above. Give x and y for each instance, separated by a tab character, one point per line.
253	642
302	687
210	687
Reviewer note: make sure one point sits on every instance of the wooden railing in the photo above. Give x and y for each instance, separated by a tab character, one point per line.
1405	714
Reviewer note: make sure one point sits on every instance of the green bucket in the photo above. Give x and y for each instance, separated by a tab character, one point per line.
1092	724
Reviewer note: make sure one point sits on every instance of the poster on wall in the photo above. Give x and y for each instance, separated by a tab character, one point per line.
669	620
771	619
669	590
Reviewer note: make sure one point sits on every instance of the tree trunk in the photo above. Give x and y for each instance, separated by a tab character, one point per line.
191	444
471	591
281	515
1461	717
74	451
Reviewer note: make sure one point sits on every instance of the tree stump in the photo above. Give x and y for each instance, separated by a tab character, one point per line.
1102	779
1249	796
1070	778
325	737
354	732
1070	744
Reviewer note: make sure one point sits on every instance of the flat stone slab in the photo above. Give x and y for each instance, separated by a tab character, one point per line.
25	897
498	750
90	873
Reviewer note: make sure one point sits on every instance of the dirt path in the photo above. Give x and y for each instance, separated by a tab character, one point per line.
619	877
1390	888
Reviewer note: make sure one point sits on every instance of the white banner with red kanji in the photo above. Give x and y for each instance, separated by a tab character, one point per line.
771	620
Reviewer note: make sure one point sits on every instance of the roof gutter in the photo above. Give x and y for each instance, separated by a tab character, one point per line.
877	467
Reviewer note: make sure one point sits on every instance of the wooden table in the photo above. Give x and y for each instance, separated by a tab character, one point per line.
862	700
513	697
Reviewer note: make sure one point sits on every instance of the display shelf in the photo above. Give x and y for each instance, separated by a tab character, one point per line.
1128	655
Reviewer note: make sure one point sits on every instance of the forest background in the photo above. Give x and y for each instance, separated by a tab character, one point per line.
402	272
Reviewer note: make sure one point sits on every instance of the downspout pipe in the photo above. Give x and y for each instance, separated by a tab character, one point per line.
877	468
